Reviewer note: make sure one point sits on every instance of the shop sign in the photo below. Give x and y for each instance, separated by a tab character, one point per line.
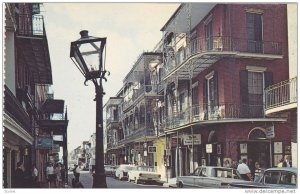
189	139
208	148
55	148
270	132
44	142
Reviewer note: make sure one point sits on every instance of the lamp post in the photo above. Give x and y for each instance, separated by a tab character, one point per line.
87	54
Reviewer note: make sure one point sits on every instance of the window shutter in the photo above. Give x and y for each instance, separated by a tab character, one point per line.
205	99
244	86
216	96
268	79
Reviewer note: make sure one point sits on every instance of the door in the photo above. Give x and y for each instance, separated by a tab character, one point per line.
258	152
254	32
209	36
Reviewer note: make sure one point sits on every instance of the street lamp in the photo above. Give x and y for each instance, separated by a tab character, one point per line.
87	54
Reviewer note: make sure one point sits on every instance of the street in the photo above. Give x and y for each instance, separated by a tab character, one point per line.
87	181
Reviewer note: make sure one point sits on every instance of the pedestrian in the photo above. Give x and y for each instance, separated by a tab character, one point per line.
280	164
76	172
19	176
50	174
258	172
34	175
63	174
234	164
286	161
57	171
244	170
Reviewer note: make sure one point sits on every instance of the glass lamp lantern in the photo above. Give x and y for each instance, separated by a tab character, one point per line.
87	55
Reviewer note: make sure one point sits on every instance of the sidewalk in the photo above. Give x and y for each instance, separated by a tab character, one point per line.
171	182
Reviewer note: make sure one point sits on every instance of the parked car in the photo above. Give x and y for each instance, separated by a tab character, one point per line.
109	170
143	174
284	177
122	171
210	176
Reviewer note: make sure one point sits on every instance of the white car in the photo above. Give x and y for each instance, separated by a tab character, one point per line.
122	171
210	176
143	174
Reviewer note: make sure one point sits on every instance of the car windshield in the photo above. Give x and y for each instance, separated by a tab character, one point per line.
144	168
225	173
128	167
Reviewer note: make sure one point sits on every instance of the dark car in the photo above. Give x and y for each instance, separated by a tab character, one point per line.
273	178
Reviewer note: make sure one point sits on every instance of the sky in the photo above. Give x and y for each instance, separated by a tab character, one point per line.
130	28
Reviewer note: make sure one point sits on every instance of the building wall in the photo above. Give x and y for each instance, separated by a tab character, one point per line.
292	38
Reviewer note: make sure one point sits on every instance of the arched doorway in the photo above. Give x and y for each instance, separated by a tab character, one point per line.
258	148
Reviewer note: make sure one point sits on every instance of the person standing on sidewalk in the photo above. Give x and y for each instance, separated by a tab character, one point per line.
76	172
244	170
50	174
19	176
34	175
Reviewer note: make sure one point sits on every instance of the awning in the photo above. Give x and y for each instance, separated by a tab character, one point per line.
53	106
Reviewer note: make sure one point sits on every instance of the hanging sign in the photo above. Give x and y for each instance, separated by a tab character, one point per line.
151	149
270	132
208	148
189	139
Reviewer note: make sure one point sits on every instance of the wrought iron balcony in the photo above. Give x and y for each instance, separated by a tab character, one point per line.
281	94
136	93
144	132
222	44
31	25
206	112
15	110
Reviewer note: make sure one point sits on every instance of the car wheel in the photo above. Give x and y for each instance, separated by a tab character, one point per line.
180	185
136	180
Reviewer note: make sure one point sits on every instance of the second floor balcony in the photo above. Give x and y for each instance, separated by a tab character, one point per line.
281	96
209	113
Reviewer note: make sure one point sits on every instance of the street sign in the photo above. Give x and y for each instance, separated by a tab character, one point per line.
208	148
270	132
151	149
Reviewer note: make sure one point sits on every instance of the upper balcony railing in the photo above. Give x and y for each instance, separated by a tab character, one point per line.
224	44
144	89
31	25
281	94
206	112
15	110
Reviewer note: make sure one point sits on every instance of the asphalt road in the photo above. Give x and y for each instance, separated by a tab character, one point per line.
87	180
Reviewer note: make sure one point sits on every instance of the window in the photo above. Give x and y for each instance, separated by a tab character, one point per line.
255	88
288	178
272	177
203	172
254	32
209	35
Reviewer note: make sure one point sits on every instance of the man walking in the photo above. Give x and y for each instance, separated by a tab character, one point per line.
244	170
19	176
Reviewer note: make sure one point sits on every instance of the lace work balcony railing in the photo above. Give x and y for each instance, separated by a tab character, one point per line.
31	25
281	94
223	44
208	112
145	89
15	110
